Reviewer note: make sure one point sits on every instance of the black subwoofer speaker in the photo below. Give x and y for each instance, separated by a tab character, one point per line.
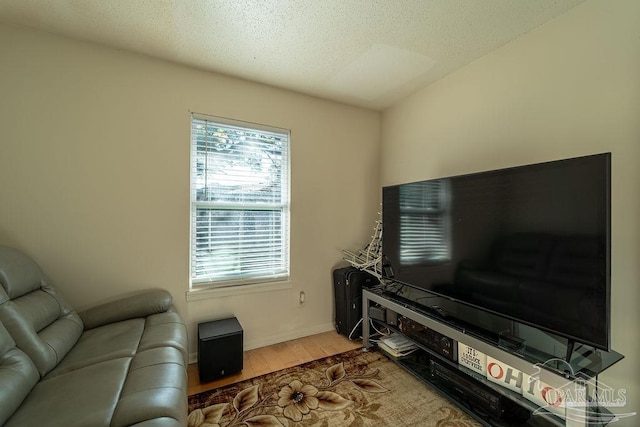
219	348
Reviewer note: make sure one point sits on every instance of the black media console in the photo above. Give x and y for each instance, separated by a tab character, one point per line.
493	390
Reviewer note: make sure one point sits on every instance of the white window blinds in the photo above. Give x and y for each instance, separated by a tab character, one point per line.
239	202
424	228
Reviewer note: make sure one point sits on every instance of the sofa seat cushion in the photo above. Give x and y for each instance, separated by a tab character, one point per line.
152	404
119	392
165	330
126	339
154	369
154	388
81	398
107	342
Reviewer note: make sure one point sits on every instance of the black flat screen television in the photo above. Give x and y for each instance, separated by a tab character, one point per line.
529	243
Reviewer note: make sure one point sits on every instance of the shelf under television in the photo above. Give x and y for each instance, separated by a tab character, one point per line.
546	419
490	345
585	360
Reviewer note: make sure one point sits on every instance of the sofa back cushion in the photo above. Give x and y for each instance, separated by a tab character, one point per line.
18	376
41	323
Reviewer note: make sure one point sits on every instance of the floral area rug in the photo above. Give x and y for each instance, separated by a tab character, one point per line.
356	388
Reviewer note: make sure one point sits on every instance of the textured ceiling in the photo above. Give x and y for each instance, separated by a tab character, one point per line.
369	53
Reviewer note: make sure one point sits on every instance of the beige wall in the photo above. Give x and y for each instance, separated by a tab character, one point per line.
94	177
569	88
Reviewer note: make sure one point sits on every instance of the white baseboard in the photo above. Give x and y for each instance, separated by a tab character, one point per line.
277	338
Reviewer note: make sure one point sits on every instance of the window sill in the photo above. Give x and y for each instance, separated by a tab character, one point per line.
206	293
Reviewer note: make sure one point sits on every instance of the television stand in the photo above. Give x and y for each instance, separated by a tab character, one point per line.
484	398
570	346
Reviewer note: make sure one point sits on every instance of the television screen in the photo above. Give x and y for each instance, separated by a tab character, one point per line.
530	243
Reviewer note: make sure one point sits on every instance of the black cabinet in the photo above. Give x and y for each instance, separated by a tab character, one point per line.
219	348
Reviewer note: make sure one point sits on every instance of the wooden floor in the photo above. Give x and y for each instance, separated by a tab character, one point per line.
273	358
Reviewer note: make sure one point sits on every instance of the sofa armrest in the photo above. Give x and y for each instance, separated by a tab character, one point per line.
131	307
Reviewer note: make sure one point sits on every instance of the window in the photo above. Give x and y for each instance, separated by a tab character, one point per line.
424	227
239	202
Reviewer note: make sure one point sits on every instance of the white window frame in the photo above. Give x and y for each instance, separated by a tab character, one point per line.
259	282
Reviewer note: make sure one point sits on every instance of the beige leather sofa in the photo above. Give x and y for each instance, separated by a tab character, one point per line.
119	364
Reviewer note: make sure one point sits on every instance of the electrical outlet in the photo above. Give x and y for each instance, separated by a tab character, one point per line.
301	298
